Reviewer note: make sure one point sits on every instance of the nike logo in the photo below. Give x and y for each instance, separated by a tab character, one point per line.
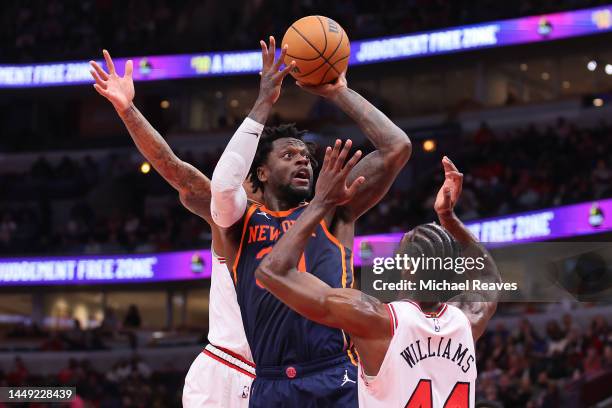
252	133
346	379
264	214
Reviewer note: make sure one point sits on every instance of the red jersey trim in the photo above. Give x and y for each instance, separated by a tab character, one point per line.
236	356
227	363
391	319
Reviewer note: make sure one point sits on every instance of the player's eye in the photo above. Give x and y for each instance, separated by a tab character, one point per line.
287	155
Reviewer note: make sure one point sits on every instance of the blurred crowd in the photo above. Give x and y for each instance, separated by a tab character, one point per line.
518	367
37	30
108	206
107	334
520	170
130	383
567	364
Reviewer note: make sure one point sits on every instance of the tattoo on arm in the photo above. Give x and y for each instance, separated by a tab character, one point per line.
382	132
478	306
369	300
393	149
189	181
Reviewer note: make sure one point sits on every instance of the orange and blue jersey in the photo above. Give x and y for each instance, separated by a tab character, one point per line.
278	336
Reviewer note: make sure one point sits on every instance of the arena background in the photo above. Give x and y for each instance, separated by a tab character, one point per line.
523	108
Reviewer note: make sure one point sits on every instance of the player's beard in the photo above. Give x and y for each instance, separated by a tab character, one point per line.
295	195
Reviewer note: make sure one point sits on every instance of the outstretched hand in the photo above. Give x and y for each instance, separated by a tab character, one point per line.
331	188
326	90
118	90
271	74
451	188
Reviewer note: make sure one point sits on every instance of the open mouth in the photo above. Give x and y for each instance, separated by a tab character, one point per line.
301	177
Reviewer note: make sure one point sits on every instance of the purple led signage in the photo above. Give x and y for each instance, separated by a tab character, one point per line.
88	270
543	225
455	39
561	222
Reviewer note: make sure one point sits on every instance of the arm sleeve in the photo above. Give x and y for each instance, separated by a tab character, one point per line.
229	200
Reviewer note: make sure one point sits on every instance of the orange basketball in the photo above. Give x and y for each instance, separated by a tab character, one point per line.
319	47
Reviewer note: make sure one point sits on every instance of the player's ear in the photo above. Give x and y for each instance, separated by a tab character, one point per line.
263	173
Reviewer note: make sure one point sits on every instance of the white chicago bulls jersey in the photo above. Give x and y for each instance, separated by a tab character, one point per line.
430	362
225	327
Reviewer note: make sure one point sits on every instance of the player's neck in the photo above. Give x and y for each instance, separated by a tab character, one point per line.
430	306
275	203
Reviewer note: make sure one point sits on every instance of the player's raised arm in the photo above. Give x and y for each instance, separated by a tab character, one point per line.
478	306
192	185
393	147
348	309
229	199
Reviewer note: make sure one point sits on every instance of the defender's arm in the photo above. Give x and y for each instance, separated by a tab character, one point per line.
478	306
192	185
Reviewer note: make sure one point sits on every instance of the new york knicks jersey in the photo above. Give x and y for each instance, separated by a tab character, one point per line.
430	362
277	335
225	327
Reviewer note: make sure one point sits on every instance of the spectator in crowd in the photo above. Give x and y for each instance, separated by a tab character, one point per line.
520	368
526	169
132	318
110	323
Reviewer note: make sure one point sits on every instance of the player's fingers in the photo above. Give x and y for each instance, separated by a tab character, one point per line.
344	153
337	147
354	187
264	53
101	91
129	68
99	70
97	78
328	151
453	175
448	164
281	58
272	49
109	62
287	69
352	162
333	158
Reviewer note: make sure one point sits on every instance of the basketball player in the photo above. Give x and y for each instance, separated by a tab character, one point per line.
221	375
299	362
412	354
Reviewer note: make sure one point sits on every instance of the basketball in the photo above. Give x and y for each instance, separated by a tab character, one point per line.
320	48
